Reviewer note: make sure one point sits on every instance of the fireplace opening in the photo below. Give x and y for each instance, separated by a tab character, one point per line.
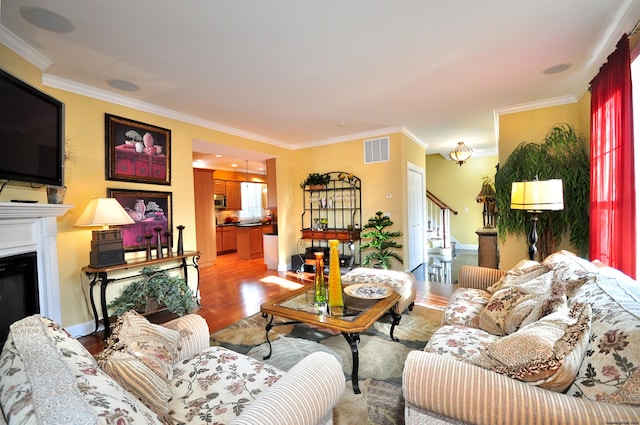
18	290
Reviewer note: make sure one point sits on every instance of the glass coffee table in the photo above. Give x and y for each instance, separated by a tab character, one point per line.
297	307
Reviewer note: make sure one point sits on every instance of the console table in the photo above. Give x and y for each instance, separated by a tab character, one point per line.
101	275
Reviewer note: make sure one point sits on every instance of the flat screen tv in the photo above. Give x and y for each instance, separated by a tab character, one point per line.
31	134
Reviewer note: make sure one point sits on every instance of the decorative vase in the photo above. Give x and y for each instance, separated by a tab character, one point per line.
139	147
336	299
55	194
139	208
319	288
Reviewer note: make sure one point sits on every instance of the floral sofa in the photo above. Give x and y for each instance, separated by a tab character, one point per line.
152	374
556	342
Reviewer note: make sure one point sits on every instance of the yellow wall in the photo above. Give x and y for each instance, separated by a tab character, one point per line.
84	131
85	177
378	180
532	126
458	186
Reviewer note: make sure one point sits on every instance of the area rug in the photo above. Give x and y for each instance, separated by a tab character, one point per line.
381	359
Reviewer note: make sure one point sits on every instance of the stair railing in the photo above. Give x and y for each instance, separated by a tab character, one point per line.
439	214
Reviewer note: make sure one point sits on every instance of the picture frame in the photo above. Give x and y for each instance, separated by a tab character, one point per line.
136	152
149	210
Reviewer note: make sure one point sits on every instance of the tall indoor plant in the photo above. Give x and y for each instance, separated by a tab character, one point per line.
562	155
380	242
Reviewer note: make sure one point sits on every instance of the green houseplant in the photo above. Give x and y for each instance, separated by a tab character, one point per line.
316	179
380	242
562	155
155	289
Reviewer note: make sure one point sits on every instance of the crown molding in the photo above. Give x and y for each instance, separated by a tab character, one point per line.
21	48
544	103
106	96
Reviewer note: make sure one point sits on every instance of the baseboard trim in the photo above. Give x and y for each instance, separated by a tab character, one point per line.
83	329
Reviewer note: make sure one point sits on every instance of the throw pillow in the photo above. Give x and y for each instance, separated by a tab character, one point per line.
137	378
547	353
628	392
522	272
140	356
515	306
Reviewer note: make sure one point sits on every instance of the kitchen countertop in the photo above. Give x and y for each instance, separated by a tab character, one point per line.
243	224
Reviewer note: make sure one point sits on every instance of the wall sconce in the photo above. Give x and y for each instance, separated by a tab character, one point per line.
461	153
535	197
106	244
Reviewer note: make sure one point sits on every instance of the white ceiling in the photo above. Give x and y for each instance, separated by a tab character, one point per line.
299	73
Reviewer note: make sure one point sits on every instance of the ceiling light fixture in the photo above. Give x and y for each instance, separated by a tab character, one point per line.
47	19
461	153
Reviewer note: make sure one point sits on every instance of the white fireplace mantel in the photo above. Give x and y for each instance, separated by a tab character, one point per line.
26	227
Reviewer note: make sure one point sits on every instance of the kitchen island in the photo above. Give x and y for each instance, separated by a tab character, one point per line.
249	240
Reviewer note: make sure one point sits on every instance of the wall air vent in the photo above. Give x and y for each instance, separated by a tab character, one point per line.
376	150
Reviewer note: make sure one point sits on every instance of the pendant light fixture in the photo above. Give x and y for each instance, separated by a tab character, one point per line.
461	153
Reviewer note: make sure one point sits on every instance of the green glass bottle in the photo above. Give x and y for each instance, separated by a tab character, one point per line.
319	287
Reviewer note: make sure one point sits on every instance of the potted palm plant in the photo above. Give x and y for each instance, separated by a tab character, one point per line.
380	242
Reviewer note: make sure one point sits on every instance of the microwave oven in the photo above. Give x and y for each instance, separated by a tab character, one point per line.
220	201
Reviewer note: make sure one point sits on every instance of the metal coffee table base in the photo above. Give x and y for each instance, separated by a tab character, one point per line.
352	339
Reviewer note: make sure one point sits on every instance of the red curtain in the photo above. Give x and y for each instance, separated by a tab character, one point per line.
612	212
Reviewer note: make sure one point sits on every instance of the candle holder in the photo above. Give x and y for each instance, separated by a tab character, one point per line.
180	247
158	242
167	235
148	240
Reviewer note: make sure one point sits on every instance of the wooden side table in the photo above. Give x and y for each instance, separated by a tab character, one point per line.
101	275
488	254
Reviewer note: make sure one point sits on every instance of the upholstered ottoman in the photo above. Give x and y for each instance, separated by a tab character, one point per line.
402	282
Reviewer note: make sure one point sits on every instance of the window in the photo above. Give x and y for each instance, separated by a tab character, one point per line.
251	200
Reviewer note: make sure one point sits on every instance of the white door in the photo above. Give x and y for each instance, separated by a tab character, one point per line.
416	204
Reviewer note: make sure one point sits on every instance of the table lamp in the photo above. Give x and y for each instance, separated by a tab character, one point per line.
535	197
106	244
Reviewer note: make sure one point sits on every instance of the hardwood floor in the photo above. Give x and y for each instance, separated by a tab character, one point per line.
233	289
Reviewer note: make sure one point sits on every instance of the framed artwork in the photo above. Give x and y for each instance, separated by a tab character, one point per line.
150	210
137	152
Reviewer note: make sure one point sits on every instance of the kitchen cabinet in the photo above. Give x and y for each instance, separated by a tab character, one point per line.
205	215
225	239
249	242
219	187
234	195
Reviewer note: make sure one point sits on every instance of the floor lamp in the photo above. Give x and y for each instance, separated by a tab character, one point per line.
535	197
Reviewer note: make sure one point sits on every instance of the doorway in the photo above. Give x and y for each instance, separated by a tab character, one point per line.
416	205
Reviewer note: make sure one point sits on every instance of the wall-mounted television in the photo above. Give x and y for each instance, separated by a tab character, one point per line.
31	134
